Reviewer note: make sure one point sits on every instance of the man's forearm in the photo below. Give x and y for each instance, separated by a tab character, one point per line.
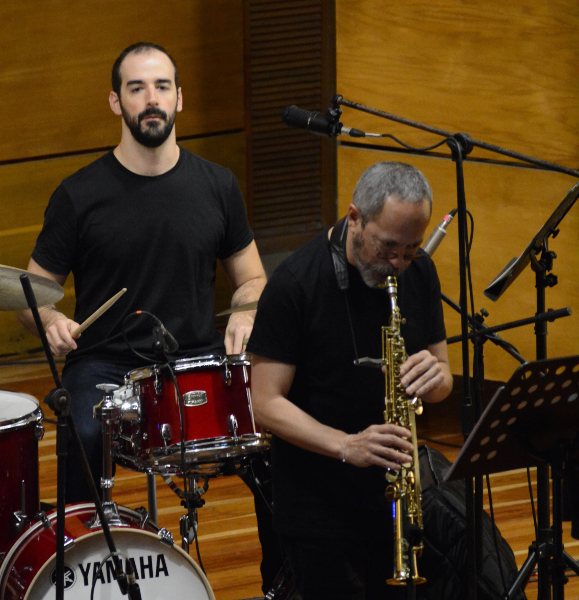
48	315
250	291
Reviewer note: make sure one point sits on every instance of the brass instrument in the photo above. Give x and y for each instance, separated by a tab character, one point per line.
404	487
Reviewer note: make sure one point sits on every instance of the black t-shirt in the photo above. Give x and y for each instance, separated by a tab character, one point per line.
157	236
302	320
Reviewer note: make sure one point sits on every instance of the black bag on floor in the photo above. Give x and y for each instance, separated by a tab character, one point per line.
444	559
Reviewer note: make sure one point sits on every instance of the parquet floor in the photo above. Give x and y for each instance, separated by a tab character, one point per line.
228	540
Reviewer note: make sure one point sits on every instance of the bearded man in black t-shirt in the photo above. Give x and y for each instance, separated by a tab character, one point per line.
322	309
153	218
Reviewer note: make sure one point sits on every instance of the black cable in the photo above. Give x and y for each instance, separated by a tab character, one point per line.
426	149
186	500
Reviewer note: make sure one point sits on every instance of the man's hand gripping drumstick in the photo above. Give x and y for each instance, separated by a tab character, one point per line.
96	314
62	331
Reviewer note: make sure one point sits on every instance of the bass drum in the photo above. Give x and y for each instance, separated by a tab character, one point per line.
162	569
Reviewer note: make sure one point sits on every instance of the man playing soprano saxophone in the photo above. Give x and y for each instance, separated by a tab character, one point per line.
323	309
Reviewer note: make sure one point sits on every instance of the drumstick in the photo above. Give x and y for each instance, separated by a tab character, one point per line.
97	313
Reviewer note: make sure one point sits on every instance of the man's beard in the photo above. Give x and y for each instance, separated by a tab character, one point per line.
154	133
373	275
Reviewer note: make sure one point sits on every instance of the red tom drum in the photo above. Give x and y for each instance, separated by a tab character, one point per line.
217	427
20	429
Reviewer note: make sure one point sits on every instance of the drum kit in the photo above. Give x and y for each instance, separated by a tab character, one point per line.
191	418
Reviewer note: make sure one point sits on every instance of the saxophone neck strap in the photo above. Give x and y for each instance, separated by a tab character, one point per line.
338	251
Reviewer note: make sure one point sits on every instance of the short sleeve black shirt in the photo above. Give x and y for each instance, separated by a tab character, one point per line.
157	236
302	320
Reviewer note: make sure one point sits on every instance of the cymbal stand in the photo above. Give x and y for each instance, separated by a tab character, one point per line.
59	401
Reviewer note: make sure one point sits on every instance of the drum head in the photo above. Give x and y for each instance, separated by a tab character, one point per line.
161	571
15	407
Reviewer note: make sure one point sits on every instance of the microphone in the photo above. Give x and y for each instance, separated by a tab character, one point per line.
436	237
133	590
316	122
164	338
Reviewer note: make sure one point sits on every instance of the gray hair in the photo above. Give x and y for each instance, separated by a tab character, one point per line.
385	179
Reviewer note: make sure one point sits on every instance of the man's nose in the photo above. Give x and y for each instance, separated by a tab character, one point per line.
152	99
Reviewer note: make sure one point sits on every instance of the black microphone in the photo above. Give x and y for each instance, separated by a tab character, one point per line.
133	590
320	123
162	335
437	235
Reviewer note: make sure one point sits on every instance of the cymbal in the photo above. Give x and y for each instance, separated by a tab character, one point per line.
240	308
12	295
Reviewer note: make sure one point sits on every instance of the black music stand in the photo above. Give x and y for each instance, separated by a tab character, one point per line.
532	420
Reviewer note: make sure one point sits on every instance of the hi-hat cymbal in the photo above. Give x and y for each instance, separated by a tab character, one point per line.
12	295
240	308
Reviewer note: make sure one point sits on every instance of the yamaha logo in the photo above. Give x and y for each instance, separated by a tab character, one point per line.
69	577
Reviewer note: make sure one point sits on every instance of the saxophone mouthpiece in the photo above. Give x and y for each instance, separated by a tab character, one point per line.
391	286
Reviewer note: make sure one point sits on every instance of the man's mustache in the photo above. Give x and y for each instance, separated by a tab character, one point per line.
152	112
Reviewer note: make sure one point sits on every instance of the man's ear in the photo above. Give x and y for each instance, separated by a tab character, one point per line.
354	216
115	103
179	100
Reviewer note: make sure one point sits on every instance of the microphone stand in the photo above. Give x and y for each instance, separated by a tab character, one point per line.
461	144
59	401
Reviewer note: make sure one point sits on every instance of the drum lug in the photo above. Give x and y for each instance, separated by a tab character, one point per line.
158	382
112	516
144	514
20	522
166	537
226	374
39	430
232	426
166	433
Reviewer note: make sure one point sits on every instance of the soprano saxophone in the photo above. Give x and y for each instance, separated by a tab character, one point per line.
403	488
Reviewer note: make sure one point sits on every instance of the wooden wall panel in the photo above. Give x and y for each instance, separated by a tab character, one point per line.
509	207
505	72
57	58
25	189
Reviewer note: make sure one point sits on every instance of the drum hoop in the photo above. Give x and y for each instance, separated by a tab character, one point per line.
209	361
16	550
39	526
19	422
199	362
123	531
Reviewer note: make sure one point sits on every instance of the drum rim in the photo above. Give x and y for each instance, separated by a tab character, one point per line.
217	451
71	508
195	362
35	416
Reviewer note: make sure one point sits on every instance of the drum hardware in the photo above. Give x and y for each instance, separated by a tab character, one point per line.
226	374
108	413
191	500
162	568
112	516
214	424
166	433
232	426
21	519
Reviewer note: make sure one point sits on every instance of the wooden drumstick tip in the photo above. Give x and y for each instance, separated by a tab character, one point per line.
96	314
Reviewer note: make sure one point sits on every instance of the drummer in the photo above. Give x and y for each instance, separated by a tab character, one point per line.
152	217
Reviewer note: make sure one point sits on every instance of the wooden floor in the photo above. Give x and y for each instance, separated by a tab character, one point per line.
228	540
